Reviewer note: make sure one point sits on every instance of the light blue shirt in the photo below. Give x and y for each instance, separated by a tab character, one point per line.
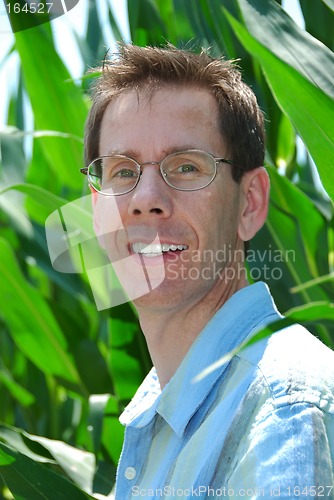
259	426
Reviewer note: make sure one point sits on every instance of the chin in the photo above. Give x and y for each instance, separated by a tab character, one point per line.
165	296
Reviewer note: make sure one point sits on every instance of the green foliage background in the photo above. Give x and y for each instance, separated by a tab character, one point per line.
67	370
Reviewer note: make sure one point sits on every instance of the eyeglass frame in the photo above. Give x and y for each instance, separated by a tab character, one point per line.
217	160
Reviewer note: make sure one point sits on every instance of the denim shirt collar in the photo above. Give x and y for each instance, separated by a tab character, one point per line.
247	309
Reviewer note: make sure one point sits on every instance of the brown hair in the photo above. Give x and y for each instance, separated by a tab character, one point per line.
151	68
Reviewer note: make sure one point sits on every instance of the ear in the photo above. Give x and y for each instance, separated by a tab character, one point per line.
255	187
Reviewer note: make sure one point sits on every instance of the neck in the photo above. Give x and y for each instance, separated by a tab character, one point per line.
170	332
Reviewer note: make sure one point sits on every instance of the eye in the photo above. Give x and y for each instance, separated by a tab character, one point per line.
125	173
186	168
117	169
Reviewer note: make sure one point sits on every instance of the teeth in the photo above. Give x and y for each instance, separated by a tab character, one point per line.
156	248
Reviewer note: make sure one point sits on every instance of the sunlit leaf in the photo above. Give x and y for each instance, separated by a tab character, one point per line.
286	143
31	323
30	480
17	440
63	108
290	43
42	202
329	3
310	109
314	282
79	465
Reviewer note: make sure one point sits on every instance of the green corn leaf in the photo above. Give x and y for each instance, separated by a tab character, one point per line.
30	480
290	43
64	108
310	109
24	397
31	322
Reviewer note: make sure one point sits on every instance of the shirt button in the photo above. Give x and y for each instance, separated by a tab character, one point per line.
130	473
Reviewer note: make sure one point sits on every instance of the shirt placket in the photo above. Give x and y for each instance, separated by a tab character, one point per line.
135	449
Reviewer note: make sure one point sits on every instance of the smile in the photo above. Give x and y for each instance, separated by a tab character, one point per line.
155	249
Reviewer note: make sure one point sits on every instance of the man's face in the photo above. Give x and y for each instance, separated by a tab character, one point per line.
202	224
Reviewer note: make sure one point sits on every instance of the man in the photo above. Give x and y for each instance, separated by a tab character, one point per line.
177	141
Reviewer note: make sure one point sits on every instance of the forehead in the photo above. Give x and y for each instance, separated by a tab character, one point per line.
167	119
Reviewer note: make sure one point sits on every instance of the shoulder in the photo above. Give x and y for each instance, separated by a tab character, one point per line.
296	367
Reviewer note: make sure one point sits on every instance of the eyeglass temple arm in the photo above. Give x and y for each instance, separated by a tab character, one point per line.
84	170
229	162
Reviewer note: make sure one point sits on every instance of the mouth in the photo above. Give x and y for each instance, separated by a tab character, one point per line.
156	249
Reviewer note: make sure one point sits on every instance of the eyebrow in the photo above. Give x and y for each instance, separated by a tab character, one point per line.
133	154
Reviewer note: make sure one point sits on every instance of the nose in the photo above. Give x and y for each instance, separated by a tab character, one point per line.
152	195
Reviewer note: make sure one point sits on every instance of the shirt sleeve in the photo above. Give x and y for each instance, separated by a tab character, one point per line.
288	452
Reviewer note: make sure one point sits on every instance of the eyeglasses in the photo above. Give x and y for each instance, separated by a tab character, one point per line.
189	170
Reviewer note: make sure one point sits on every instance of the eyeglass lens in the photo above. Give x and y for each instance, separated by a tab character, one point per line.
119	174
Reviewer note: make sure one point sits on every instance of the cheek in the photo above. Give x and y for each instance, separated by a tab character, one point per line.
218	213
107	214
107	220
